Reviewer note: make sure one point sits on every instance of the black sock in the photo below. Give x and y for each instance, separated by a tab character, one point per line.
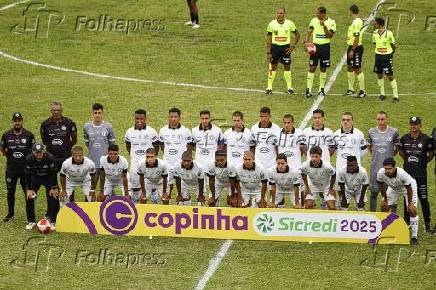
196	20
192	17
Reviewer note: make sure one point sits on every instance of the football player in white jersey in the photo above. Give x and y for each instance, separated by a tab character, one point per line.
174	139
77	171
353	182
348	141
237	140
113	173
251	182
189	177
319	135
154	178
284	180
138	139
222	176
265	135
319	179
292	143
399	183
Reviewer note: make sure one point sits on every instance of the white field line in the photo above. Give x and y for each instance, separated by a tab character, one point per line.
8	6
215	262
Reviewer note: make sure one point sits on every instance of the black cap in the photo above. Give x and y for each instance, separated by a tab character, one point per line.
38	147
351	158
415	120
17	115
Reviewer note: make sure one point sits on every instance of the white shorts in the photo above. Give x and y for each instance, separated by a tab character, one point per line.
254	197
85	187
327	197
134	177
109	187
280	196
393	195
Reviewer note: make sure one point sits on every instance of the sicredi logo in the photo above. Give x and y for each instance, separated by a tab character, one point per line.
317	225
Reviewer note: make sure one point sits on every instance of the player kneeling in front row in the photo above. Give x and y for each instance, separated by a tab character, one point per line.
113	173
189	178
222	175
283	180
353	182
399	182
153	177
77	171
251	183
319	178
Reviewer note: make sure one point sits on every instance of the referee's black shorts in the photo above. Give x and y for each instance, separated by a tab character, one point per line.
322	55
279	54
384	64
356	61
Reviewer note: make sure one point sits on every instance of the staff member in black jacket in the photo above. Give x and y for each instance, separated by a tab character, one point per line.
41	170
59	134
15	144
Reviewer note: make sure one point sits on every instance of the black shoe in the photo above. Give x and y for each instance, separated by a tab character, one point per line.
396	100
291	91
427	228
382	97
8	218
414	241
361	94
349	93
268	92
308	94
321	92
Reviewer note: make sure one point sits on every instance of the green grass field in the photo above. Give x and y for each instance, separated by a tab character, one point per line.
228	51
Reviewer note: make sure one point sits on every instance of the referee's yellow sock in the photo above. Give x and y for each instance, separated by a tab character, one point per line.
381	85
394	89
288	78
350	77
271	77
322	78
361	80
310	77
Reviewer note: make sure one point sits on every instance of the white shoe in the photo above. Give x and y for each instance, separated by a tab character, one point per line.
30	225
195	26
52	227
188	23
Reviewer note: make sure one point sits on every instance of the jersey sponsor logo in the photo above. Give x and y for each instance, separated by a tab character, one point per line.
280	39
96	145
236	154
345	155
140	152
288	153
18	155
204	152
172	151
413	159
381	150
264	150
58	142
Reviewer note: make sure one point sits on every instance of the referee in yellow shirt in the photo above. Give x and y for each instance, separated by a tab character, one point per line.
279	48
321	30
384	53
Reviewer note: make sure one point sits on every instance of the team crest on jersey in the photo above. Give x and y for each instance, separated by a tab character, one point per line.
63	128
389	139
420	145
23	140
276	32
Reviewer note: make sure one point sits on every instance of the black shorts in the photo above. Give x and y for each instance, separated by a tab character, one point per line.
322	55
279	53
384	64
356	61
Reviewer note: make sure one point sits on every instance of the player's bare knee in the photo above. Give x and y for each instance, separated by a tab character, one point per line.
331	205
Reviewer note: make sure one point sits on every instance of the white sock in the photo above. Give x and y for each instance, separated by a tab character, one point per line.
414	226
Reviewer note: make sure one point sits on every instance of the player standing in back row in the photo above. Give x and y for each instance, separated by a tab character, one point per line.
321	30
384	54
279	48
355	53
